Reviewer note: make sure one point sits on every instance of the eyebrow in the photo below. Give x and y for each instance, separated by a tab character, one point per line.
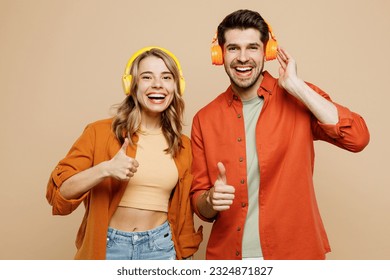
151	73
248	45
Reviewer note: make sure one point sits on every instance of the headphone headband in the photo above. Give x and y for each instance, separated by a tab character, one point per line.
127	77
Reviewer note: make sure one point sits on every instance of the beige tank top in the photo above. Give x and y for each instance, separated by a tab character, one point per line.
156	176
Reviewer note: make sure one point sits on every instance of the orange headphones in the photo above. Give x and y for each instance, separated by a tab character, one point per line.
271	49
127	77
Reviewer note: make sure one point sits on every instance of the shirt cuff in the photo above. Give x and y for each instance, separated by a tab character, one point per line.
194	200
336	131
65	206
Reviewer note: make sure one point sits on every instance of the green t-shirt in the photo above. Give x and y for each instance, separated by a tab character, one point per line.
251	240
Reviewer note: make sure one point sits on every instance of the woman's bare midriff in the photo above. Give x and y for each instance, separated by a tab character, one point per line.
133	219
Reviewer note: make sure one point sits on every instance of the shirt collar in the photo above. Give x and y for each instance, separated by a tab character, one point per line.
268	84
266	87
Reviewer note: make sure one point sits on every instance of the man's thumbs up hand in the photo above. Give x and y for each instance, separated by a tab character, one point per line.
221	195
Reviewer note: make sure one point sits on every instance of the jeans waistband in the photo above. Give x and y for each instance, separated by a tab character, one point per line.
112	231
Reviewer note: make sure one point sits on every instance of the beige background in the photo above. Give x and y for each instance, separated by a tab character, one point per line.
60	68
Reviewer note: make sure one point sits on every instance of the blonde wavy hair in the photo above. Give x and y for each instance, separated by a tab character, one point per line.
127	120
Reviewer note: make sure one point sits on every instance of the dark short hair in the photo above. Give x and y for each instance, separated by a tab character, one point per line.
243	19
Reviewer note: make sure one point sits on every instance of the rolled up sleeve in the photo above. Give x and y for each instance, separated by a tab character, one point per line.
79	158
350	133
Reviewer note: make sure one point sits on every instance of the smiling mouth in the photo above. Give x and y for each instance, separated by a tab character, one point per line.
156	96
242	70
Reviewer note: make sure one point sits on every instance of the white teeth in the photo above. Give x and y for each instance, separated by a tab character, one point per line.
243	68
156	95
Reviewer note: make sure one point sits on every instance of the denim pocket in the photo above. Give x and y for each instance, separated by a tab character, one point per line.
163	241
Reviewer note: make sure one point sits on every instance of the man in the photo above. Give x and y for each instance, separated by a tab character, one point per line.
253	152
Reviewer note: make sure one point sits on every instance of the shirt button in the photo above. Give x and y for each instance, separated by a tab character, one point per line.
237	253
239	116
239	139
241	159
243	204
238	228
242	181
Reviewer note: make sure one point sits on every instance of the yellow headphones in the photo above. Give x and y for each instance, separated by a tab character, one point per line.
127	77
271	49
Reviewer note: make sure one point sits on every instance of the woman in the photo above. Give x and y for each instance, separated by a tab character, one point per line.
133	171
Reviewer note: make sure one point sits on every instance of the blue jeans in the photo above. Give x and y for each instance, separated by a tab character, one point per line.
154	244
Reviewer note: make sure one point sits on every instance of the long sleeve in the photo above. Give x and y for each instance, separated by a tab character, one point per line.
79	158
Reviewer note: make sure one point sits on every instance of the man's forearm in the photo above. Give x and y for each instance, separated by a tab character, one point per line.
324	110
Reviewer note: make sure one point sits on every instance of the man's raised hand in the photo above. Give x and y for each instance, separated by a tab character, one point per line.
221	195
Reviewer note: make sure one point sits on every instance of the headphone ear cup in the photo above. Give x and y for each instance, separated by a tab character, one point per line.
182	86
126	83
271	50
216	55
